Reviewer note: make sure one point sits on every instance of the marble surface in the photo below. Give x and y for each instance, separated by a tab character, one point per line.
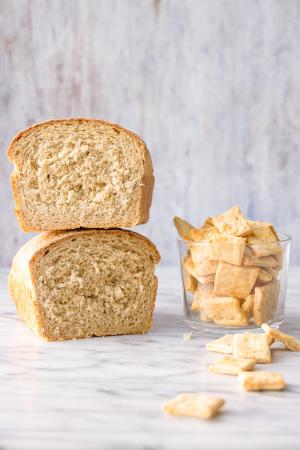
212	86
106	393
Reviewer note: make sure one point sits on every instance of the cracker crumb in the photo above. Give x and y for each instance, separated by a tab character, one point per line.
187	336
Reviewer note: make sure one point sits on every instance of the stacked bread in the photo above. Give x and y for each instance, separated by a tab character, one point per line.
78	181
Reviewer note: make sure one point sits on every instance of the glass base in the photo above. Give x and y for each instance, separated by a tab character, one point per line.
210	329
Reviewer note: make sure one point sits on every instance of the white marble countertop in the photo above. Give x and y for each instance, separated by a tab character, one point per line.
106	393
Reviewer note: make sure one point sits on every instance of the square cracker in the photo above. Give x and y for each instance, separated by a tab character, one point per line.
263	276
235	281
263	239
192	269
262	232
266	248
261	381
224	310
203	266
265	302
225	248
252	345
232	222
264	261
203	290
222	345
289	341
229	365
202	234
200	406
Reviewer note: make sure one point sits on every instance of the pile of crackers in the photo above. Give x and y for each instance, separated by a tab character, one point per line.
231	267
242	353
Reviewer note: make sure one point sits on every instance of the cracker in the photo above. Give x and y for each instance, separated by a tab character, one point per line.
203	290
202	234
188	266
265	261
240	320
262	232
203	271
222	345
190	283
225	248
187	336
207	222
200	406
183	228
263	276
252	345
204	279
263	239
197	252
234	281
247	306
266	248
272	271
265	302
261	381
203	266
232	223
279	259
224	309
289	341
203	316
229	365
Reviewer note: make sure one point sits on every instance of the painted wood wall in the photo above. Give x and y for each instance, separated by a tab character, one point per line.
212	86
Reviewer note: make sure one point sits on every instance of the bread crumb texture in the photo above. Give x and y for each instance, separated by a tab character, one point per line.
80	173
91	283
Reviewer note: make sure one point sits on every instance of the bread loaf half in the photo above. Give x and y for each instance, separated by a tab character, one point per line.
74	173
76	284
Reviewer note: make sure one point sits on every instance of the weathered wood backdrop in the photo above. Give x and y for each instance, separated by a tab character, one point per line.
213	87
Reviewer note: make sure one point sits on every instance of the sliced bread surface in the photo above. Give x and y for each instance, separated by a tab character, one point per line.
80	173
83	283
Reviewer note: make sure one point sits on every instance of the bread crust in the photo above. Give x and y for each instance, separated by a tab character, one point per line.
23	275
146	190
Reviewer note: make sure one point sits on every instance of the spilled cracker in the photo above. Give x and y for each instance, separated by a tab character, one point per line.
252	345
289	341
229	365
200	406
261	381
222	345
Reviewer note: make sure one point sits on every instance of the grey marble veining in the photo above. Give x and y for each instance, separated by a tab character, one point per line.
212	86
106	393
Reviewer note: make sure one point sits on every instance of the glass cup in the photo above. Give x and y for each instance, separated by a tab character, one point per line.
228	288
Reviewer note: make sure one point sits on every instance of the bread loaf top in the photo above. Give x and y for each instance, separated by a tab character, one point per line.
72	173
30	252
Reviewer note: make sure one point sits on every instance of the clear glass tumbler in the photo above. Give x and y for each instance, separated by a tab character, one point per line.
228	288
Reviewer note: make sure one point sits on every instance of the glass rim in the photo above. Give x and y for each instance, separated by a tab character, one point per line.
285	238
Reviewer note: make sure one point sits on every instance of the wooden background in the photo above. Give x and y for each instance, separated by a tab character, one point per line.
212	86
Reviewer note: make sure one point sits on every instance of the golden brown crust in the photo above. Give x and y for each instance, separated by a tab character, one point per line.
26	305
146	190
23	278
